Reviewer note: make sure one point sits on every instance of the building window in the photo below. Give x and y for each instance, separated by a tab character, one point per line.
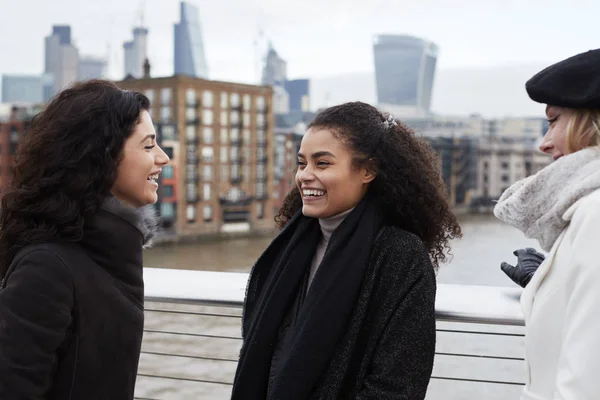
260	210
207	98
235	172
223	155
246	119
207	154
246	134
165	114
168	132
234	134
260	171
224	173
223	99
260	120
167	210
168	151
167	172
191	153
149	93
207	213
504	165
207	117
260	189
246	102
190	97
235	118
206	191
224	135
261	135
191	213
165	96
235	154
167	190
246	173
190	114
505	178
246	152
224	121
190	133
207	173
260	103
191	172
191	194
235	100
207	135
260	153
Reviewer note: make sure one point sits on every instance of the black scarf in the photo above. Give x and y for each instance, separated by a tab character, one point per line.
323	316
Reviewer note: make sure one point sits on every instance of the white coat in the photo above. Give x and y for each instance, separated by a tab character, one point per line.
561	305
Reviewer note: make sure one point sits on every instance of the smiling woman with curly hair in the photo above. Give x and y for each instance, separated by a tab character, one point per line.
72	227
342	303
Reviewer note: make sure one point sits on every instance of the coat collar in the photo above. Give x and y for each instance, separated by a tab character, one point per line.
114	238
144	219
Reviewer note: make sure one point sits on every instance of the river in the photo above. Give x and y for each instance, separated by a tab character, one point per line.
476	257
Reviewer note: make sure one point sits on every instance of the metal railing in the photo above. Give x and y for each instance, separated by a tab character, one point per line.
192	338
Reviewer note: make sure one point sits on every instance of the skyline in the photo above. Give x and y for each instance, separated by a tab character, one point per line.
468	33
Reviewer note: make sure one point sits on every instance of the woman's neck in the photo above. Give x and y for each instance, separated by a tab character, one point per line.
330	224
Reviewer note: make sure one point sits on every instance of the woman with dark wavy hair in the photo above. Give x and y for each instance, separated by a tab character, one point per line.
341	304
72	227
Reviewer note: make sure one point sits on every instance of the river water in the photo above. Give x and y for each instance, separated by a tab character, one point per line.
476	261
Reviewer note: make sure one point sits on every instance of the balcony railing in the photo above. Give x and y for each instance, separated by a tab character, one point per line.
192	338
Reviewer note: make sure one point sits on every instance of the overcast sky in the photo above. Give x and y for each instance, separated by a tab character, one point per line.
317	37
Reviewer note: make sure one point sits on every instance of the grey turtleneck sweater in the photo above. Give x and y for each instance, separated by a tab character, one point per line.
328	226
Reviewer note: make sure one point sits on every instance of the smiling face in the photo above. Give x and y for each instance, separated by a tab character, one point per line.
326	177
555	140
140	166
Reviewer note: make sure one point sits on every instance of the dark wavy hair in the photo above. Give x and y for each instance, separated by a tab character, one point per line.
66	164
408	182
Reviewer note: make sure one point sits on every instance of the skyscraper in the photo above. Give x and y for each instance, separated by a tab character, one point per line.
61	60
189	47
275	68
299	92
275	75
91	68
404	71
136	52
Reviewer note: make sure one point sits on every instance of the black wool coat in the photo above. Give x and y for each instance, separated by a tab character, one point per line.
387	350
71	314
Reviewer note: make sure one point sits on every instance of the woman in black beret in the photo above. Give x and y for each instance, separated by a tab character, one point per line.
560	207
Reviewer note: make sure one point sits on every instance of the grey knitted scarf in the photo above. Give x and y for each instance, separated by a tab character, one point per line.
536	204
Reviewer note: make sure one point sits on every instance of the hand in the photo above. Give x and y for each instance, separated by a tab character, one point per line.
528	261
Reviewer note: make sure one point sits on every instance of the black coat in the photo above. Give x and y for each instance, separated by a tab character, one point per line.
72	313
387	352
388	347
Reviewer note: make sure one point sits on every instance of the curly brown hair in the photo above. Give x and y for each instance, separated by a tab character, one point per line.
408	182
66	164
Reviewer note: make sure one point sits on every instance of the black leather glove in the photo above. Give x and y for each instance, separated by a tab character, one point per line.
528	261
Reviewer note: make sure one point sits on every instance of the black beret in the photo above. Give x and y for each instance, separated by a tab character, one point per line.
571	83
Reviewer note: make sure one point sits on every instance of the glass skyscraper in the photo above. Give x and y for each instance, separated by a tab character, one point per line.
404	70
189	46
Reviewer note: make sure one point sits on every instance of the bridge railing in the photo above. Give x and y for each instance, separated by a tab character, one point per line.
192	338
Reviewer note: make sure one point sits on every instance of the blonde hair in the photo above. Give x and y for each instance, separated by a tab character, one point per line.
583	130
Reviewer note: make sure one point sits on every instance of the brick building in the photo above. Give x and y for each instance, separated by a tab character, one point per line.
220	138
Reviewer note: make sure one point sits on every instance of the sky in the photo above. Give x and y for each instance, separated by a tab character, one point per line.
317	38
